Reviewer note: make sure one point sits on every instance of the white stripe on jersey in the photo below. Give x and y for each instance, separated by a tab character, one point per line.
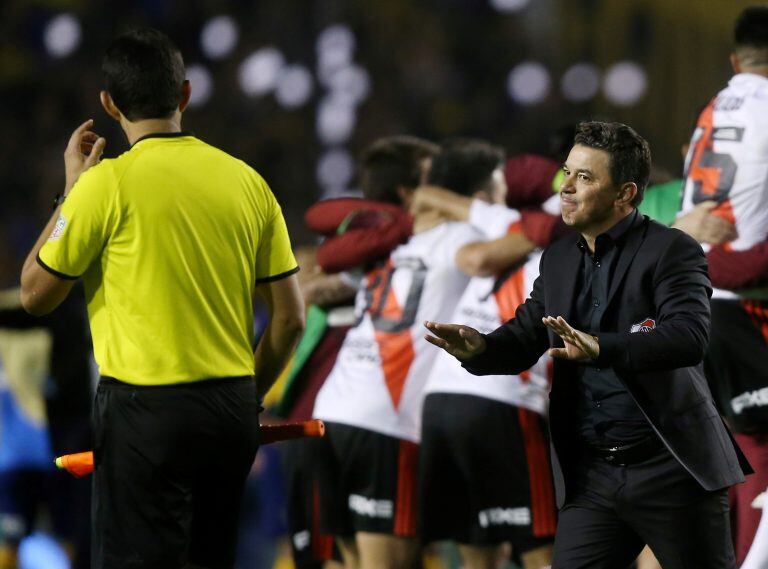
378	379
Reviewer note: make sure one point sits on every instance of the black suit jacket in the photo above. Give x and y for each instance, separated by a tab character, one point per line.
660	276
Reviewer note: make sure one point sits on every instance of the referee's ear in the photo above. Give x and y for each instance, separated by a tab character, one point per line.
186	92
109	105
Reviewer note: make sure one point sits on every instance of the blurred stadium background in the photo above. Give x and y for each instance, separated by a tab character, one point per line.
297	87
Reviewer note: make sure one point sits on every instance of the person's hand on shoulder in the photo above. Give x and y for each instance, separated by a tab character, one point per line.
462	342
704	226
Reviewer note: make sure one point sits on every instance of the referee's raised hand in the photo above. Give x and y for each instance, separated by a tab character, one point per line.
462	342
83	150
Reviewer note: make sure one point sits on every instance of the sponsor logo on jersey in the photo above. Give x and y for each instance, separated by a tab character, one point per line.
370	507
756	398
301	540
505	517
58	229
645	326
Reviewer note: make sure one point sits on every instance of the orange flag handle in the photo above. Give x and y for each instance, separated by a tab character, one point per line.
81	464
78	465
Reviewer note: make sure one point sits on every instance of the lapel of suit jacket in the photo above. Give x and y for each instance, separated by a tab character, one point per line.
634	240
565	277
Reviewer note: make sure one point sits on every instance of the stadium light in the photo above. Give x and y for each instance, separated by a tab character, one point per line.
335	120
509	5
219	37
62	35
335	48
294	86
625	83
528	83
350	83
580	82
335	169
259	71
201	81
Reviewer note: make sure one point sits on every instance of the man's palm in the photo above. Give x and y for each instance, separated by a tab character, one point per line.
460	341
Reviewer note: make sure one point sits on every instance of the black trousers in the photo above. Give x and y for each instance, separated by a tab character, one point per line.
171	464
613	511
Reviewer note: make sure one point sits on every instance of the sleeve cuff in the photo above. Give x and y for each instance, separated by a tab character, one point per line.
478	364
54	272
612	346
274	278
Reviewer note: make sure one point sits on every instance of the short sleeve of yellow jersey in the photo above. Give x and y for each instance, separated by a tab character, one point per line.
275	258
83	227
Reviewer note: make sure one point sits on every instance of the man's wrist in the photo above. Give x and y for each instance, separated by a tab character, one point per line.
58	199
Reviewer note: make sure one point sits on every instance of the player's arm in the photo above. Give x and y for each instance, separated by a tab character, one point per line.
705	227
447	203
488	258
512	235
43	288
733	270
327	290
286	323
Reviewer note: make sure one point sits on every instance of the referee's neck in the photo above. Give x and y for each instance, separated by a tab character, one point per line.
141	128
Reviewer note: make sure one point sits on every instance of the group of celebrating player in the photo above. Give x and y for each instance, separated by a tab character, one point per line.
418	450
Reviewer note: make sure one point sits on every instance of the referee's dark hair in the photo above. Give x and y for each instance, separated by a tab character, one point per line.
144	73
391	163
465	165
629	153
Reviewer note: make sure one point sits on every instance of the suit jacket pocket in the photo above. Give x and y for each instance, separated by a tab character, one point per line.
696	414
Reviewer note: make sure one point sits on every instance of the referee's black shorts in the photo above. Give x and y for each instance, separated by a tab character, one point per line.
171	463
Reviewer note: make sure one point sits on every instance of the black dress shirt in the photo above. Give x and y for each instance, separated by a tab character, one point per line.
608	414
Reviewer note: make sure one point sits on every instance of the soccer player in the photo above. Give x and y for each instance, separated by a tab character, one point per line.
485	478
728	164
172	239
371	401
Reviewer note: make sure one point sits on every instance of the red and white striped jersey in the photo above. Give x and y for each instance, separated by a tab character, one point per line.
378	380
728	160
486	304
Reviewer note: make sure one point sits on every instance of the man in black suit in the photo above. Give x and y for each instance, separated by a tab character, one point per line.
639	452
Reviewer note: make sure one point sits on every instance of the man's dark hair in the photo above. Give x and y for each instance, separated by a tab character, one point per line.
144	72
751	28
630	155
393	162
465	165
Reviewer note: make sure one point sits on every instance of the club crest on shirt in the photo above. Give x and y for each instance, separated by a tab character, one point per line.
58	229
645	326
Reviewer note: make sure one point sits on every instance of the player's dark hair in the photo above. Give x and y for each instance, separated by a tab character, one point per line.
630	155
144	72
751	28
465	165
393	162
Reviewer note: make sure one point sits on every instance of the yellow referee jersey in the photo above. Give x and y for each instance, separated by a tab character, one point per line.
170	239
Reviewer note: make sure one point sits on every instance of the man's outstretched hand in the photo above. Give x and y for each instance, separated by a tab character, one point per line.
460	341
578	345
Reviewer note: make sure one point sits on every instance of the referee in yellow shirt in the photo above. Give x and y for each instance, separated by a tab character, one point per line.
172	239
